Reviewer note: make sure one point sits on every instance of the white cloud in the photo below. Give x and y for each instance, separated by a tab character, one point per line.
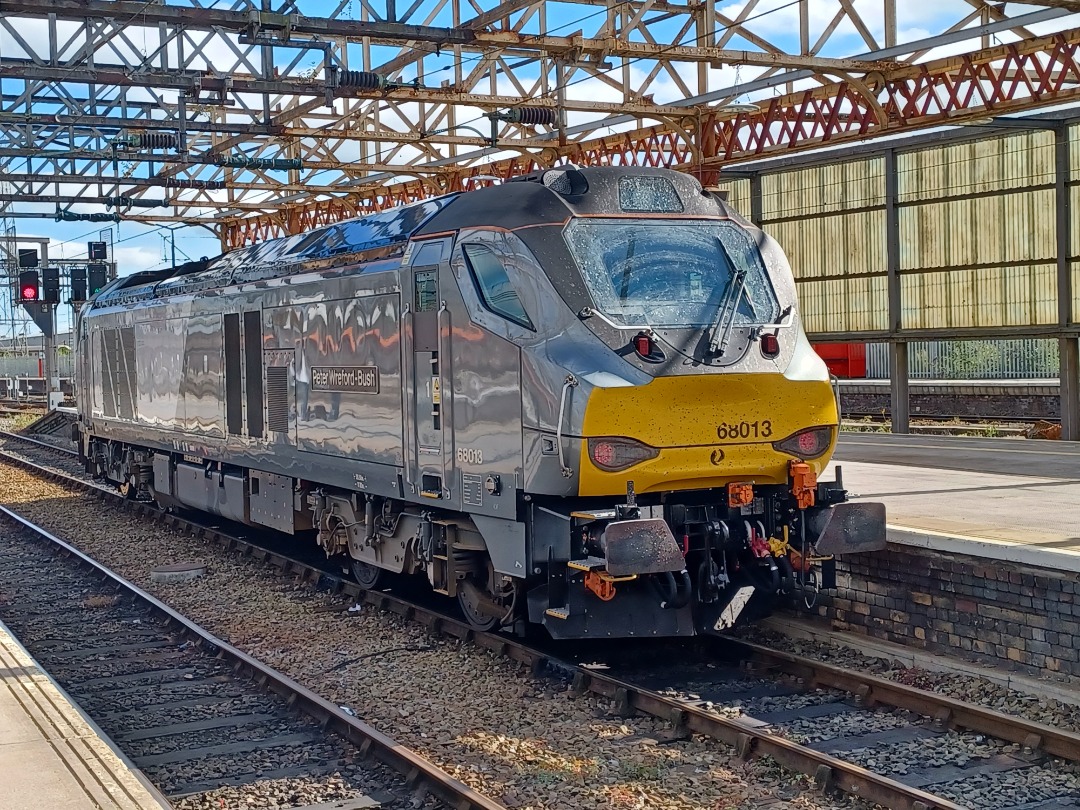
136	259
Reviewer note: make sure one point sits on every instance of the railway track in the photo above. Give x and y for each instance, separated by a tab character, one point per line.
944	424
959	751
878	416
192	712
837	701
19	437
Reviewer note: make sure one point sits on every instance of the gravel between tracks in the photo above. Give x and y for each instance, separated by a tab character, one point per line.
525	742
1028	785
970	688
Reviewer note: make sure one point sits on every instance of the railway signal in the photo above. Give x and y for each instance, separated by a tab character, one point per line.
50	285
78	284
29	287
97	251
98	277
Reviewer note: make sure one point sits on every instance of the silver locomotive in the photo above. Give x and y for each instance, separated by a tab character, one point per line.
584	399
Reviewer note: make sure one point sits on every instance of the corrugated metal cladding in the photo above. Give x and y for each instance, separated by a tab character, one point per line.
738	194
1076	291
1014	161
844	305
1074	201
1074	150
833	247
1000	296
830	220
978	232
823	189
977	243
983	212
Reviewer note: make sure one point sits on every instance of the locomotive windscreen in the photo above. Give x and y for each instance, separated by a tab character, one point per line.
663	272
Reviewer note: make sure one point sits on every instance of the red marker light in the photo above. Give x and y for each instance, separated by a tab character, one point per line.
615	453
643	345
770	345
29	293
604	453
808	443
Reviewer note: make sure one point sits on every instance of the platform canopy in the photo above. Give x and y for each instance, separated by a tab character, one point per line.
260	119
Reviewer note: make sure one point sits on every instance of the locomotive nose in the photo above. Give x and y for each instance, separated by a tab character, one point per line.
702	431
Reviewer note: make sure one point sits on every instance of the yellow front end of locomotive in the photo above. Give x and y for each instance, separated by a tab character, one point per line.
705	431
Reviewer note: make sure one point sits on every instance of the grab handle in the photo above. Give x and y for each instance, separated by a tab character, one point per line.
570	382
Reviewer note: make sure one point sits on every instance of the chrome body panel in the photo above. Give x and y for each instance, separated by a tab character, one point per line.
358	332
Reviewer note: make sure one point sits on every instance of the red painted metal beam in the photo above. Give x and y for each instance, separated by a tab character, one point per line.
1003	79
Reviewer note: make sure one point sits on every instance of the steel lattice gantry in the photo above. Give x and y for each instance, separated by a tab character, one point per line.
260	118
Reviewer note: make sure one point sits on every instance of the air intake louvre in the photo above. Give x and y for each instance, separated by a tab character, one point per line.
254	372
118	372
107	338
126	373
234	404
277	398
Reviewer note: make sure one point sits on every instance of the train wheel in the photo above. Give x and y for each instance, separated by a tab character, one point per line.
369	576
473	590
470	606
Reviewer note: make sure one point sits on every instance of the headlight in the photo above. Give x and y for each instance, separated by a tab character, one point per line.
614	453
809	443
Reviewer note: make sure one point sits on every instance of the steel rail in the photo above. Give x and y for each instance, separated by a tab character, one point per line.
417	769
947	712
7	434
828	772
947	418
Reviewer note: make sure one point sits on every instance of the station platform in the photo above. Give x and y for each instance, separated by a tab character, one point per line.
51	755
1015	500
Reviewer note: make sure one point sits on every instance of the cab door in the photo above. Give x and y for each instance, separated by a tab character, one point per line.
425	328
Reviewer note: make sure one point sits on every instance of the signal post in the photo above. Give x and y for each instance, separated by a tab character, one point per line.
38	290
39	293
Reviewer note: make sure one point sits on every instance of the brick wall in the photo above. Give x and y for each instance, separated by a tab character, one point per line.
997	612
1002	406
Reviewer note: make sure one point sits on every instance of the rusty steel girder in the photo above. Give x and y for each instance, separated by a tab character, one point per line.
1006	78
363	95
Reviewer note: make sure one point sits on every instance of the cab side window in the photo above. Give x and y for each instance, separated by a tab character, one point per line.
493	283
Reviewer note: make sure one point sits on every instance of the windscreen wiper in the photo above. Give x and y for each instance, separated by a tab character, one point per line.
720	330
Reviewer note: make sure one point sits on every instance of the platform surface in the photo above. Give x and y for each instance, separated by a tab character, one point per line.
51	756
1009	499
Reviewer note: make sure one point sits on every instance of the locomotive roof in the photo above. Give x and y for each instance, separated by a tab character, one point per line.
546	197
273	258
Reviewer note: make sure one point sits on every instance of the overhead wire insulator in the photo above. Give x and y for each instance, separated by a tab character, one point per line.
134	202
201	185
244	162
165	139
531	116
69	216
362	80
366	80
156	140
